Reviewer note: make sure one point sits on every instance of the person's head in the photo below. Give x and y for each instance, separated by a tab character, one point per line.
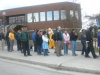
83	30
50	31
41	33
44	32
73	30
11	30
25	28
22	28
58	28
65	31
35	30
19	31
91	28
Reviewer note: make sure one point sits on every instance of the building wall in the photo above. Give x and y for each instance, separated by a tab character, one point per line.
48	7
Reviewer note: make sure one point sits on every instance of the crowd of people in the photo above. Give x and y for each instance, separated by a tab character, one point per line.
44	40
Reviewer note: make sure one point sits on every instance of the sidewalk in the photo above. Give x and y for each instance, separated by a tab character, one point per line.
71	63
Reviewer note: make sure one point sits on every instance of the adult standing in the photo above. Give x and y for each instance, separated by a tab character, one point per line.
90	48
39	42
25	41
18	38
83	41
73	38
34	34
1	39
66	42
98	36
11	39
58	41
7	40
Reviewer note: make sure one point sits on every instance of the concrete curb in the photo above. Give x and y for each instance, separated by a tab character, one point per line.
54	66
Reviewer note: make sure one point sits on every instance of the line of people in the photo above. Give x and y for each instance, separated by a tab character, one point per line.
22	38
61	40
58	40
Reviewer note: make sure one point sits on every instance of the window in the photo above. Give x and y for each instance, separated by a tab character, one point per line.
10	20
21	20
76	15
42	16
13	20
71	13
36	17
17	20
56	15
29	17
63	15
49	16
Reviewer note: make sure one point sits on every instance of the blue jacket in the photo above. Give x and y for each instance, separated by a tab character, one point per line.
34	36
18	36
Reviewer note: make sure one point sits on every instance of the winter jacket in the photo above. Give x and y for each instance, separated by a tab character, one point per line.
66	37
73	37
24	36
11	36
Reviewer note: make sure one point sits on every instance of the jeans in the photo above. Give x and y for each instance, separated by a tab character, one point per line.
45	52
65	49
73	44
39	49
11	44
83	46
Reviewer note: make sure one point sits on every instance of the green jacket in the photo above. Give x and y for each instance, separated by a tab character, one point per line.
24	36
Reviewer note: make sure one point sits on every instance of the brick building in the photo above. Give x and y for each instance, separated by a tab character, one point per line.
64	14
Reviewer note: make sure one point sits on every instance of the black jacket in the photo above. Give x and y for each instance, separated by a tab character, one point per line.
73	37
39	40
89	35
1	36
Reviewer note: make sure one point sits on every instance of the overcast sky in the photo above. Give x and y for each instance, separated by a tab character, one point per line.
88	6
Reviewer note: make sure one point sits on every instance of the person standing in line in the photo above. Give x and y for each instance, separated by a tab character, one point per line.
25	41
66	42
45	45
18	35
58	37
7	40
34	34
11	39
98	37
39	42
83	41
90	48
73	38
2	39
